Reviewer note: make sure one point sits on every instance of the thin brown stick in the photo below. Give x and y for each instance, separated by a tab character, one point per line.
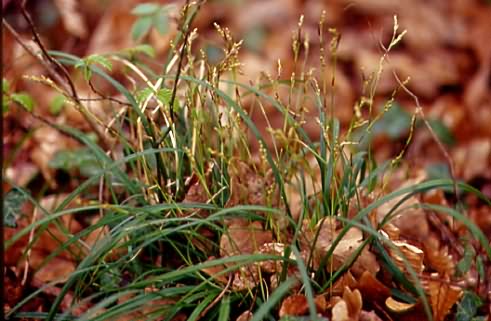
29	50
104	97
419	111
186	31
53	67
218	298
45	53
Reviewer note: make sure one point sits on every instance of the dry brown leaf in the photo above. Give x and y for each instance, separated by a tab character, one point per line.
294	305
365	262
245	316
73	21
12	287
349	307
49	141
392	231
246	278
397	306
340	312
443	296
244	239
369	316
345	281
477	89
411	221
215	270
411	253
273	266
438	257
473	158
327	231
57	269
372	289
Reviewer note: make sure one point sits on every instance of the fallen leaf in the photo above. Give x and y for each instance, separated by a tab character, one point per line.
369	316
294	305
472	159
349	307
372	289
443	296
345	281
73	21
411	253
411	221
215	270
244	239
397	306
246	278
245	316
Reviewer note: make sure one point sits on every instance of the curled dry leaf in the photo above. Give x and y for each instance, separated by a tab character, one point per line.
349	307
273	266
345	281
372	289
397	306
392	231
411	253
297	305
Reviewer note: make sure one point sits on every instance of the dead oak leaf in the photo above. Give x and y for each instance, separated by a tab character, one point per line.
244	239
443	296
349	307
294	305
350	242
407	252
372	289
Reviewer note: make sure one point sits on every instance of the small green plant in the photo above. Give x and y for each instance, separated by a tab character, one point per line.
21	98
150	15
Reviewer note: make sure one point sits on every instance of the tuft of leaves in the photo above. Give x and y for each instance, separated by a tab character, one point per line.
468	307
21	98
81	159
86	63
150	15
12	205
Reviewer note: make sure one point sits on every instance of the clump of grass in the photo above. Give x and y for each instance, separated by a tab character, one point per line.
185	178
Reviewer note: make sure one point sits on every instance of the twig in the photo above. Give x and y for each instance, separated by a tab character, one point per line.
218	298
45	53
181	56
29	251
419	110
104	97
52	66
29	50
